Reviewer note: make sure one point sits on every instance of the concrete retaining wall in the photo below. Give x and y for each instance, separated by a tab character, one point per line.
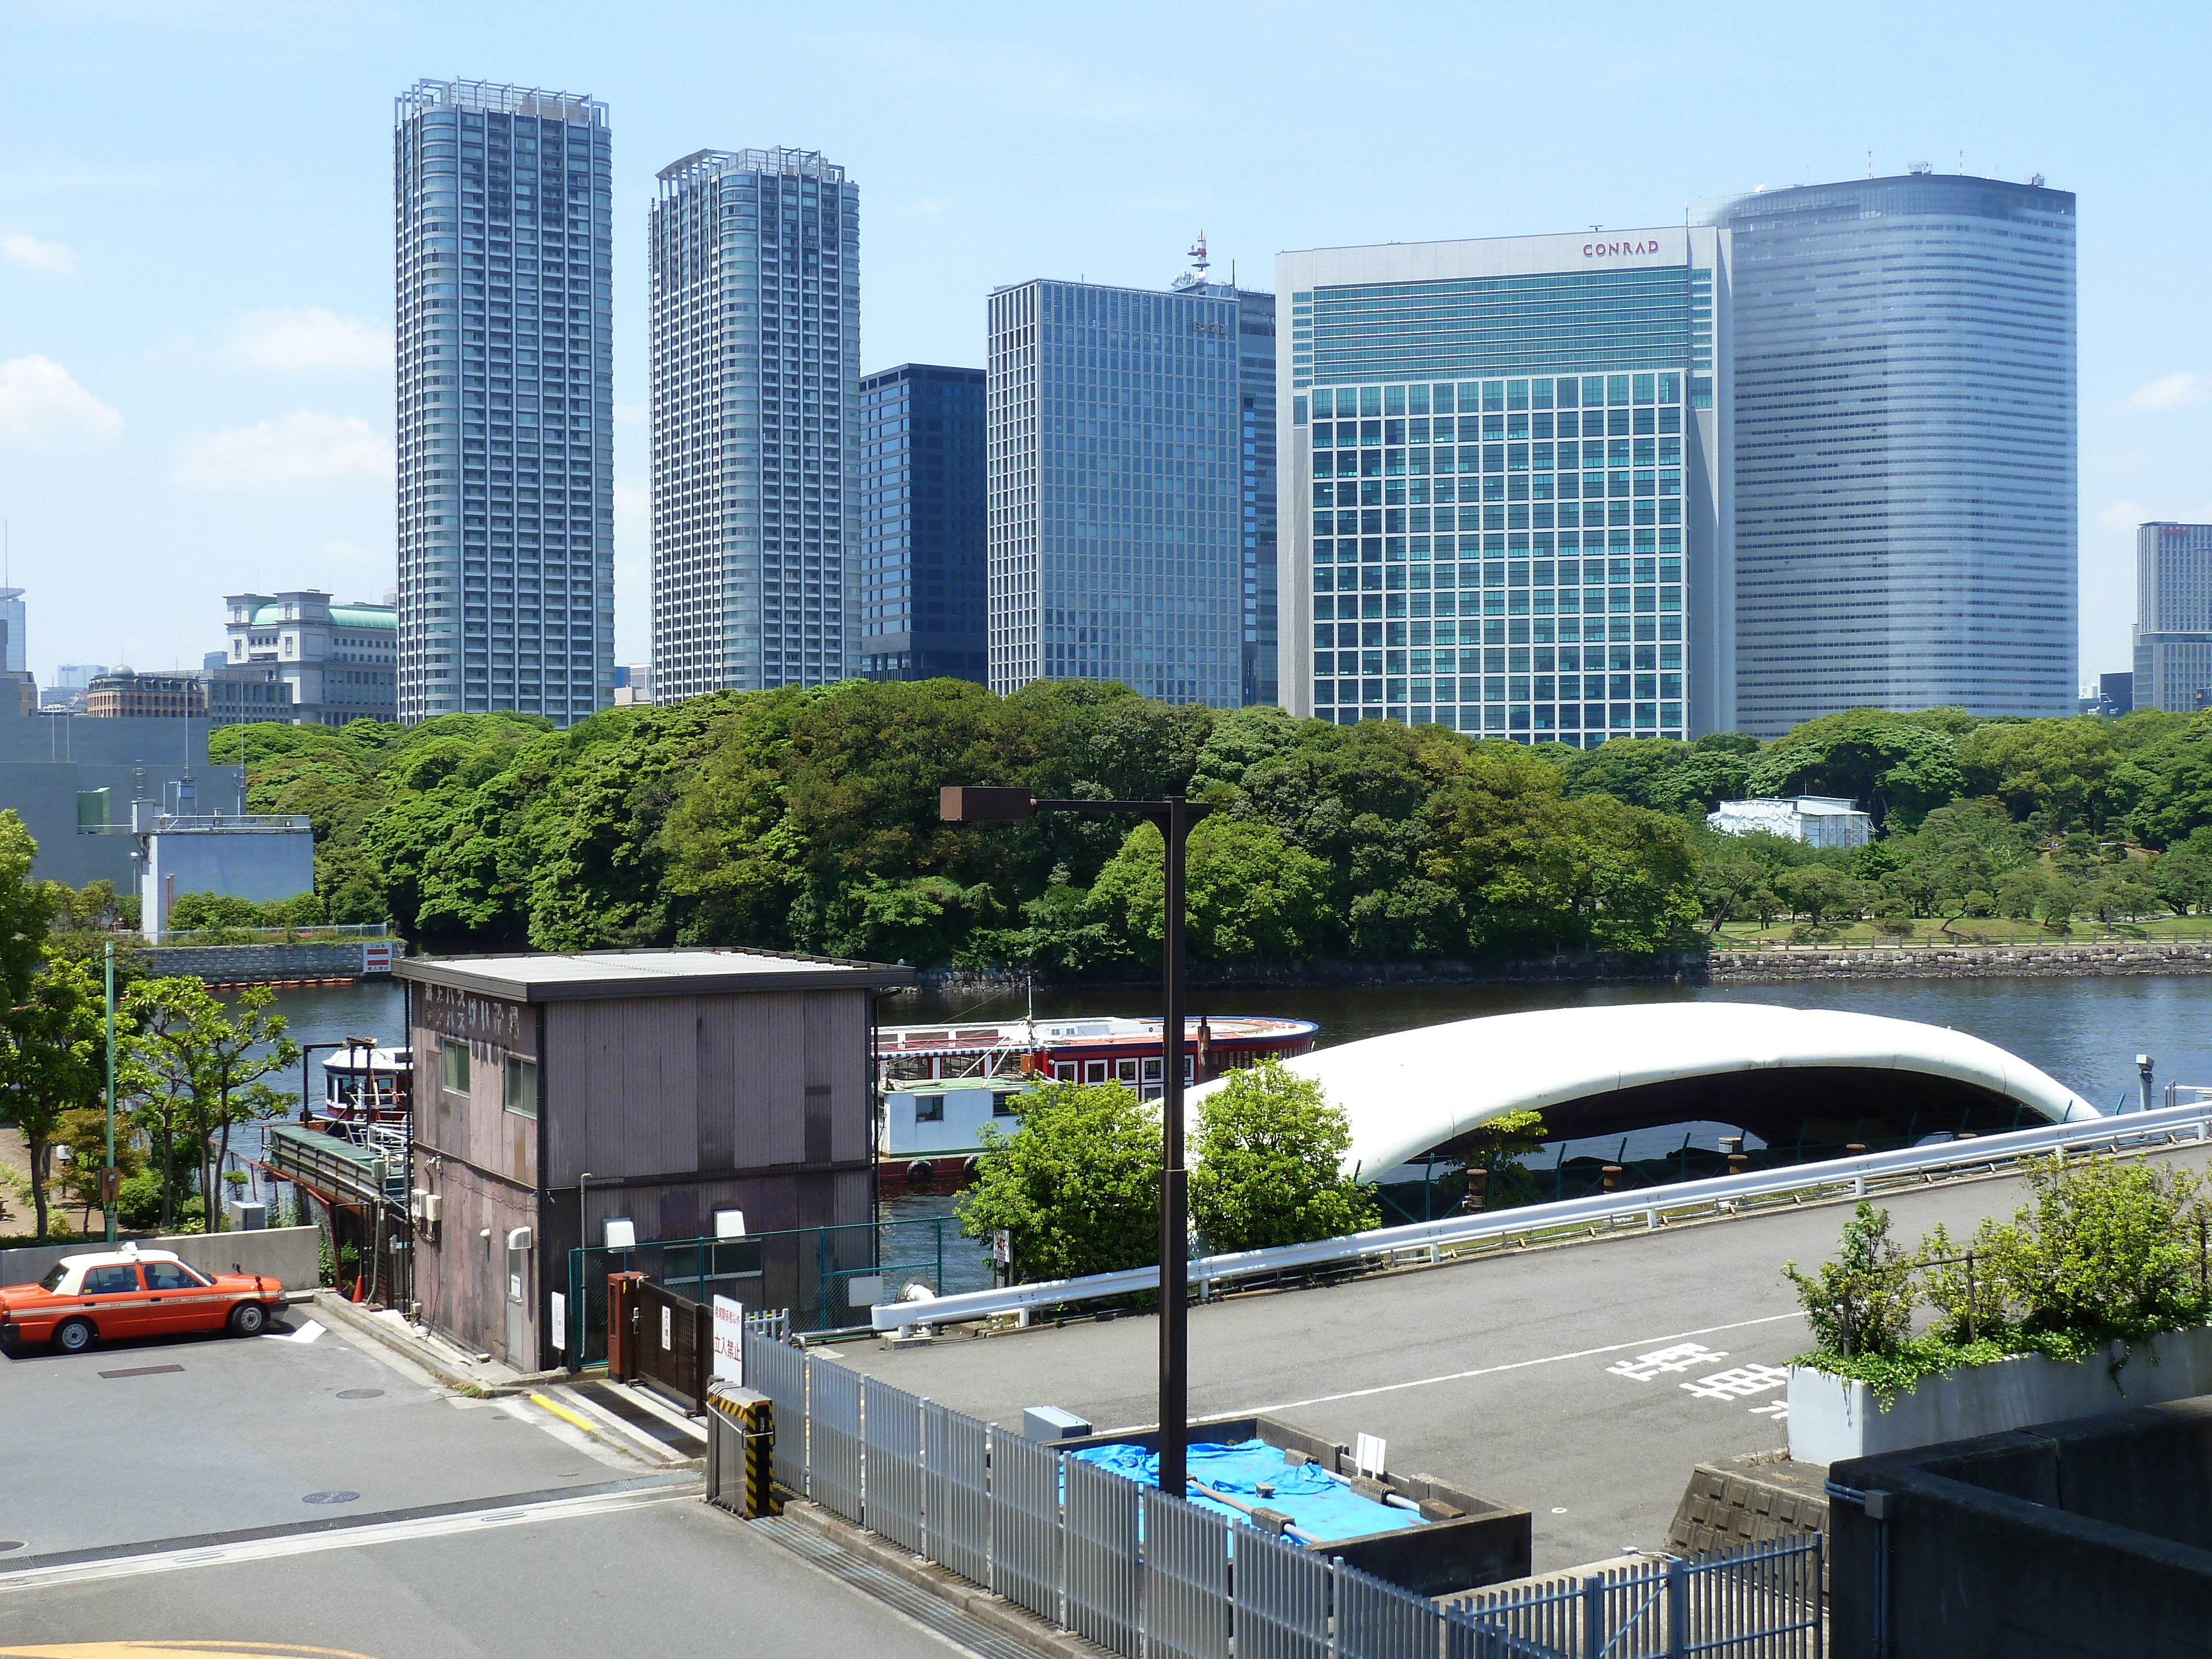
2080	1541
288	1254
1753	1500
248	964
1831	1419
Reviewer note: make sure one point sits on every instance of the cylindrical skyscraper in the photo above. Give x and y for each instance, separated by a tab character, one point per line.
1905	442
502	273
756	280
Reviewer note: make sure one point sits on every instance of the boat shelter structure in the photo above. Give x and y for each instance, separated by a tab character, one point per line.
1612	1069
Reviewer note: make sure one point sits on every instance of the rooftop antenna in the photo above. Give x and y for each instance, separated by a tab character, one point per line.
1870	164
1198	259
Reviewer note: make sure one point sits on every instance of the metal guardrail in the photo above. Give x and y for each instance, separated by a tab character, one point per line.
334	1165
1856	1175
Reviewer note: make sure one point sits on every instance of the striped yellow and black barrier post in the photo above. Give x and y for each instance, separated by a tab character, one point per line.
744	1419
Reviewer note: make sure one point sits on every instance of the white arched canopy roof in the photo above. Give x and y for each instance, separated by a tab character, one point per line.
1597	1068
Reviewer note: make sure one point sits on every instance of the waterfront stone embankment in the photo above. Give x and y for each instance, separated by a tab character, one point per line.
2054	961
267	964
1774	964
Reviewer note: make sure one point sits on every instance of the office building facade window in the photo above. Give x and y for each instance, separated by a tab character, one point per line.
924	585
1501	502
1904	473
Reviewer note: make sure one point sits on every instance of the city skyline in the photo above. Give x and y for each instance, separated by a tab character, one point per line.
234	403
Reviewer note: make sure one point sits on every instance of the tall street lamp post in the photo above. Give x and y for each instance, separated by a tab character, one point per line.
1174	817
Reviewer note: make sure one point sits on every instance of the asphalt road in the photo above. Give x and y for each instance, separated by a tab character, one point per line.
1583	1382
243	1433
665	1575
194	1504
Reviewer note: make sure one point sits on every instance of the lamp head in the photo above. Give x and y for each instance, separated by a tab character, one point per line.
963	804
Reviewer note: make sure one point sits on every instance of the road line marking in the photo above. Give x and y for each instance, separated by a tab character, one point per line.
1513	1365
311	1543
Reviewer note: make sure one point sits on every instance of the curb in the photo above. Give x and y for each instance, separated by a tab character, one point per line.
354	1317
1002	1616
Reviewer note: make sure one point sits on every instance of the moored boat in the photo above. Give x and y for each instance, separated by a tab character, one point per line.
940	1085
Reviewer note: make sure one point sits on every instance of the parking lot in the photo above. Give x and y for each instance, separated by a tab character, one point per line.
177	1437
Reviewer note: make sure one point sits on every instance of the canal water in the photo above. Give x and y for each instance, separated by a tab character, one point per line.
2084	1032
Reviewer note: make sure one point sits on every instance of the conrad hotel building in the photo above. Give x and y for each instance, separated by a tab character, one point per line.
1504	493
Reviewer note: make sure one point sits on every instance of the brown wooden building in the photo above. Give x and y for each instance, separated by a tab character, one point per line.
681	1083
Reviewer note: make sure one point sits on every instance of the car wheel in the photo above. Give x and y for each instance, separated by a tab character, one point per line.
247	1319
74	1335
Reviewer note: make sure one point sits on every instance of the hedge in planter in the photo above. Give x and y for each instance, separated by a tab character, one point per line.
2104	1251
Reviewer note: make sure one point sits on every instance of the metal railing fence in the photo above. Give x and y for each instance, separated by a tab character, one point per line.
1150	1576
1427	1240
1759	1601
891	1436
825	1277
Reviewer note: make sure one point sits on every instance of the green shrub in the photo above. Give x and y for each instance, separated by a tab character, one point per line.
1266	1164
1862	1302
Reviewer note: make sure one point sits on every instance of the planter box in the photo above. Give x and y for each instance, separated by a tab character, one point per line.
1831	1419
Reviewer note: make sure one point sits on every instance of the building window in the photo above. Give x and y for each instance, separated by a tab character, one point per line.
455	1055
1002	1102
521	1086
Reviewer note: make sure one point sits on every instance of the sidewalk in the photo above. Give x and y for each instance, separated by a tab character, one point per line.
453	1366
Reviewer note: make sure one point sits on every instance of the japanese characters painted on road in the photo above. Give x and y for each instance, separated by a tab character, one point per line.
730	1341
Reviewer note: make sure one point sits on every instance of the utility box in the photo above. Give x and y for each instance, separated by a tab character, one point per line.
1048	1424
245	1216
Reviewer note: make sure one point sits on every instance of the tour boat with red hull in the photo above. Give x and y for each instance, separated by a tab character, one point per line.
940	1085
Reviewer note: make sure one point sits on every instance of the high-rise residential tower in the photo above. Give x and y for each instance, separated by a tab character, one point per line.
2173	616
756	430
1904	446
924	590
1117	523
503	267
1504	487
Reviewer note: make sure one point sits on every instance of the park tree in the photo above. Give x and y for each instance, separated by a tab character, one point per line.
1248	892
1075	1186
1267	1164
199	1071
1896	767
53	1048
1821	892
2183	874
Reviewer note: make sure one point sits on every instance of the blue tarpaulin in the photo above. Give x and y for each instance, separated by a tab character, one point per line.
1317	1502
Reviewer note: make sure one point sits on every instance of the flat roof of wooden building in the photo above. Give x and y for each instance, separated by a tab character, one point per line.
572	977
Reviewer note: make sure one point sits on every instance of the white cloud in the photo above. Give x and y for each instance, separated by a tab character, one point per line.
40	398
2125	515
47	258
302	447
308	336
2184	391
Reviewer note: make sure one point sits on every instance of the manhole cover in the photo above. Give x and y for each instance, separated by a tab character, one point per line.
331	1497
361	1394
6	1544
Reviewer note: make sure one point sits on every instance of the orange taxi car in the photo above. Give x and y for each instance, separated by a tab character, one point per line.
132	1292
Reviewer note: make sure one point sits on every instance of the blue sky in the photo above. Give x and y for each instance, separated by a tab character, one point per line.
195	215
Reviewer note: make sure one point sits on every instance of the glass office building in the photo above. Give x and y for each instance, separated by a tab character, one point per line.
1115	477
2173	616
1905	447
924	593
1503	501
755	295
502	273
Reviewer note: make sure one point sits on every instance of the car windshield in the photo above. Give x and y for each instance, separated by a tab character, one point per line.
55	1274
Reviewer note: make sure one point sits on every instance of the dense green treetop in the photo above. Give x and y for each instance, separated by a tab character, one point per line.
807	820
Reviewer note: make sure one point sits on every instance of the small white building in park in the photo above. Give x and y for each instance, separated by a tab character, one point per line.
1816	820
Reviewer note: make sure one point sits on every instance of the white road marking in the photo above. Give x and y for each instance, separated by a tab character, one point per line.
1682	1356
1525	1364
1741	1382
306	1333
345	1537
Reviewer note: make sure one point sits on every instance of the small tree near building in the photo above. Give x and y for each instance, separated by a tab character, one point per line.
1076	1187
1266	1164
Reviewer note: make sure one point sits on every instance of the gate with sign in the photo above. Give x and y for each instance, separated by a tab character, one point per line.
670	1343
